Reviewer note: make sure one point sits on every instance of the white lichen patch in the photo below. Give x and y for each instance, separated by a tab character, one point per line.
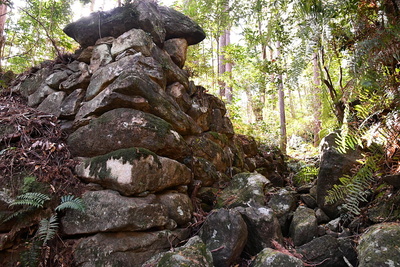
264	211
258	179
180	211
120	171
390	263
176	135
214	234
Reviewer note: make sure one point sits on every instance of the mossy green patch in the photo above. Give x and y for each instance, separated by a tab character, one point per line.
98	165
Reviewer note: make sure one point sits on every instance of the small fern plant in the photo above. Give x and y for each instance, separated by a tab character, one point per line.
48	227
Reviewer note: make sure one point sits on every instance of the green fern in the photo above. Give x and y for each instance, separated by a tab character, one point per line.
47	229
306	174
36	200
70	202
353	188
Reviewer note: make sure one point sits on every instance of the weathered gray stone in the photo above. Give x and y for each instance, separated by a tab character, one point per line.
128	249
178	25
194	254
326	251
204	171
39	95
379	246
101	56
178	206
304	226
262	226
245	190
308	200
333	166
72	103
125	128
177	49
273	258
178	92
108	211
55	79
134	171
75	81
138	15
204	147
105	76
52	103
171	70
33	82
135	39
225	235
283	203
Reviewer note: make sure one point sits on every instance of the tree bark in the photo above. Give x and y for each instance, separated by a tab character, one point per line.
3	17
221	64
281	96
316	105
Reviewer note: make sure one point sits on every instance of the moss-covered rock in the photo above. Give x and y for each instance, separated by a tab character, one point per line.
244	190
134	171
273	258
379	246
193	254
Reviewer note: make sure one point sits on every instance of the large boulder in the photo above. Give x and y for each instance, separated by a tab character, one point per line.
283	203
108	211
244	190
304	226
379	246
126	128
128	249
194	254
327	251
333	166
162	23
134	171
225	235
263	228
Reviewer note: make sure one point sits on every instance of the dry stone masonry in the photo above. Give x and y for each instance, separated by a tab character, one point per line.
155	151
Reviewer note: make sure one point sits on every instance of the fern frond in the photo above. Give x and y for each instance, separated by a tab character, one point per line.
30	199
30	257
306	174
47	229
71	202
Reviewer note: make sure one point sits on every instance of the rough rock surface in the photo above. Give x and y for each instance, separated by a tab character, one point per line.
379	246
130	249
225	235
193	253
134	171
304	226
273	258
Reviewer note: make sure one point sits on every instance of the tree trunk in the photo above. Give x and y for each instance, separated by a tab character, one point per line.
221	64
3	17
228	68
281	96
316	105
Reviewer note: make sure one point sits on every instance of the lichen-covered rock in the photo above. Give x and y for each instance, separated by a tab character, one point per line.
55	79
136	39
128	249
52	103
244	190
177	48
178	205
204	171
108	211
125	128
100	56
283	202
72	103
379	246
225	235
273	258
262	226
134	171
194	254
327	251
39	95
304	226
33	82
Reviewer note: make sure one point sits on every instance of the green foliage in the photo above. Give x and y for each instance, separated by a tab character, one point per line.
36	200
48	228
70	202
306	174
353	189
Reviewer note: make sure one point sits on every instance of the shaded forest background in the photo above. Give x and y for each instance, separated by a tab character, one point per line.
290	71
